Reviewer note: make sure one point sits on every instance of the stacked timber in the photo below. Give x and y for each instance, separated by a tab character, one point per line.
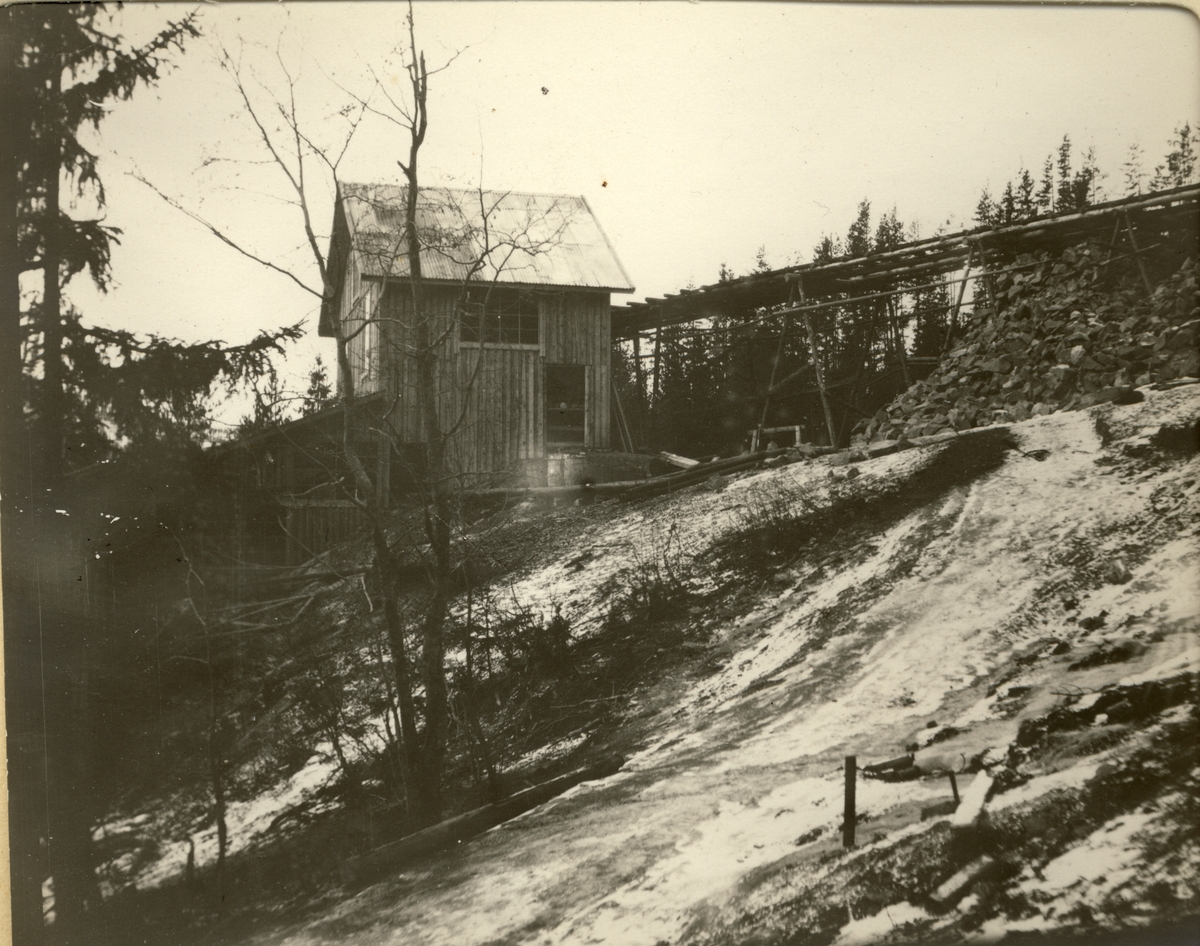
1059	336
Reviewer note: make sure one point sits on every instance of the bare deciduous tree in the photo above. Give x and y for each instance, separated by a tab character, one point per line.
479	255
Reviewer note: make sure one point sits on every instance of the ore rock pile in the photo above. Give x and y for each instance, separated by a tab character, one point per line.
1062	336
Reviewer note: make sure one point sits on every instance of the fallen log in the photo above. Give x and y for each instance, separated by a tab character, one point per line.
901	762
675	459
882	448
901	769
640	489
461	827
898	775
582	489
667	484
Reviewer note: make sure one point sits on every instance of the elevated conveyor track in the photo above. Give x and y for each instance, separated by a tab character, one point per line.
1135	224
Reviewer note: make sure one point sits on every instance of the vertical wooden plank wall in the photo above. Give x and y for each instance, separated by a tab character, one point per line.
576	329
504	419
313	529
360	299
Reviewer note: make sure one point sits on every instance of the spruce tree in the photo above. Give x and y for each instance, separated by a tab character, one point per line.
62	72
829	249
987	214
1065	197
74	394
1134	170
320	391
1008	205
760	261
1085	183
858	237
1045	194
889	234
1179	165
1026	200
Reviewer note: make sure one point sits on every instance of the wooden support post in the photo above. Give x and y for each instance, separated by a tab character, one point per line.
762	420
622	424
987	274
1112	242
816	360
816	357
849	816
863	362
894	319
637	367
657	358
1136	252
962	289
954	787
639	406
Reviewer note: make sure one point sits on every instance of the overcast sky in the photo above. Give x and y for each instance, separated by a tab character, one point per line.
697	131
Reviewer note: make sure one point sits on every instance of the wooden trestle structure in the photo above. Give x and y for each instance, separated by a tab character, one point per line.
1132	226
1142	220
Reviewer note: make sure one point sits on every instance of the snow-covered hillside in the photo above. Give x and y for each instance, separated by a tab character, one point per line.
1039	626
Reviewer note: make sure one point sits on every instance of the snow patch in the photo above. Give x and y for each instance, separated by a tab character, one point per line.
245	821
1074	777
871	928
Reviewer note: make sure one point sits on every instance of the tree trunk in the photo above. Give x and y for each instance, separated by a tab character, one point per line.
438	492
25	698
53	403
439	508
62	626
23	694
63	620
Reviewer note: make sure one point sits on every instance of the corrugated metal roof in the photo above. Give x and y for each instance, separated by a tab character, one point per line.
531	239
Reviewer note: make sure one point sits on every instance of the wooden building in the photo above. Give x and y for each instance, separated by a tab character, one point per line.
517	296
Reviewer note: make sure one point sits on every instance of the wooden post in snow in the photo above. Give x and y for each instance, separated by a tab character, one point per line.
954	788
848	816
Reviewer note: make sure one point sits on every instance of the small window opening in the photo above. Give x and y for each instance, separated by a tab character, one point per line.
499	317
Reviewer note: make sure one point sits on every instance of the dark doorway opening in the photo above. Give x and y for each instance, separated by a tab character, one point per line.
566	405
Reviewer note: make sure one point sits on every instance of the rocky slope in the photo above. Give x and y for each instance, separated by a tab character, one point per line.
1060	336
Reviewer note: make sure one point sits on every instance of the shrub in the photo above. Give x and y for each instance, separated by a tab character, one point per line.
656	583
781	521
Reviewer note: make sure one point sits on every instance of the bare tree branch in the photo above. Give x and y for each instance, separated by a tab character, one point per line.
228	241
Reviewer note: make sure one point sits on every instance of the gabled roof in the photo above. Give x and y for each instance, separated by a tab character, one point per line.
522	239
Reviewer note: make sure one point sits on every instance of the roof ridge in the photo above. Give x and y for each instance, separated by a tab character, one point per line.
568	248
463	190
